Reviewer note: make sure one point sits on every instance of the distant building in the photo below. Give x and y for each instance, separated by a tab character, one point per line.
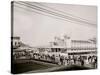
82	44
74	47
58	42
15	42
82	47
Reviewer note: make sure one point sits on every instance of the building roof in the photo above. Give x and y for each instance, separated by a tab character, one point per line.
15	37
80	41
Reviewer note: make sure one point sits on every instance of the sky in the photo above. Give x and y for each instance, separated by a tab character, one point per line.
38	30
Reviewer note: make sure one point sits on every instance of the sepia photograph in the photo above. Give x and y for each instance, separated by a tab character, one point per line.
53	37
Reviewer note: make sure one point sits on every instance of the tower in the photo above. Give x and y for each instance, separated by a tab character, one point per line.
67	42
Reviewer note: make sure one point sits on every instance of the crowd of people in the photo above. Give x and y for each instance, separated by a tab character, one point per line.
59	59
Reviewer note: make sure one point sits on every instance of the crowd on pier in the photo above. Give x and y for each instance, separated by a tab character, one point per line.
58	58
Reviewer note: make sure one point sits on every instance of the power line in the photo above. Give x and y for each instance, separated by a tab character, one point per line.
64	16
51	16
61	11
41	13
47	11
44	14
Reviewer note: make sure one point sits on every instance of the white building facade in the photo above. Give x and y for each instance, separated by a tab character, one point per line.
75	47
